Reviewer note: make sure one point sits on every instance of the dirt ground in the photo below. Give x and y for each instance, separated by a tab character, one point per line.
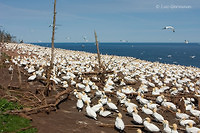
66	119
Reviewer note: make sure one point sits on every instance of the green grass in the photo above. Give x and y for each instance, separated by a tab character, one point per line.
5	56
5	105
13	123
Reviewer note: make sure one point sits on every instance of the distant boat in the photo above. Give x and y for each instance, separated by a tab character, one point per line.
186	41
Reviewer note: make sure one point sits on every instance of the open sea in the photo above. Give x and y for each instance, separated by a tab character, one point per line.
170	53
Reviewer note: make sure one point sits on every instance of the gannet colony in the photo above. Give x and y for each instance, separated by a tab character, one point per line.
156	83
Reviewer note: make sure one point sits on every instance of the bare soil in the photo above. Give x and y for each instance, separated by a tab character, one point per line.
66	119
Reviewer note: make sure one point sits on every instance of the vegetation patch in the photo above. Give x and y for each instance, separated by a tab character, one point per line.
13	123
3	57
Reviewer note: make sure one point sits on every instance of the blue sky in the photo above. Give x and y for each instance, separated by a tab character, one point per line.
113	20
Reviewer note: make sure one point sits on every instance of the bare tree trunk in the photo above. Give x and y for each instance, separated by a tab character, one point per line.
52	51
19	77
98	54
2	39
53	34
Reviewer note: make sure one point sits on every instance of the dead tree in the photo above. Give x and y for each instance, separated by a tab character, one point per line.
98	54
52	52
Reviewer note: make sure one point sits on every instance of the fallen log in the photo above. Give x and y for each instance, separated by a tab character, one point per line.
129	126
112	125
97	73
46	107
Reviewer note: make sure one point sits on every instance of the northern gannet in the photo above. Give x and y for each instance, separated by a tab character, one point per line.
150	126
90	112
87	88
136	118
142	100
152	105
104	99
146	110
169	27
104	113
112	106
129	103
184	122
174	129
85	97
119	124
79	103
157	116
194	112
160	99
32	77
191	129
97	107
139	131
10	69
181	115
168	104
166	127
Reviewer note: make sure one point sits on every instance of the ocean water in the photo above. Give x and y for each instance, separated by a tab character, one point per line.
170	53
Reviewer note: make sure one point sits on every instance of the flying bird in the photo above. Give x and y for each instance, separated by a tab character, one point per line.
68	38
85	38
169	27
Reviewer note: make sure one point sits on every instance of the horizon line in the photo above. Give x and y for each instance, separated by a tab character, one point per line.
112	42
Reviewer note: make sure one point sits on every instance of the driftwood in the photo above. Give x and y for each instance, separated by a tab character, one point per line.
23	129
19	77
97	73
130	126
198	98
112	125
47	107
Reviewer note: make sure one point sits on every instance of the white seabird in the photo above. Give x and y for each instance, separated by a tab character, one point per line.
157	116
174	129
191	129
97	107
112	106
184	122
79	103
136	118
104	113
150	126
32	77
119	124
90	112
160	99
181	115
104	99
146	110
166	127
139	131
169	27
194	111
